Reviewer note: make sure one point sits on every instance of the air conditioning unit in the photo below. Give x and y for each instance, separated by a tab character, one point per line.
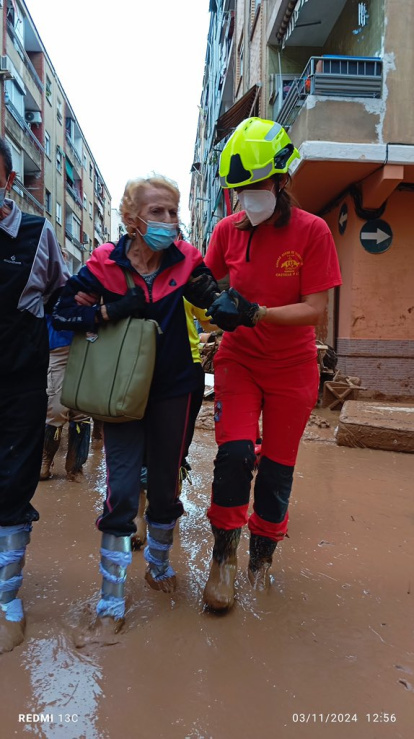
33	116
5	65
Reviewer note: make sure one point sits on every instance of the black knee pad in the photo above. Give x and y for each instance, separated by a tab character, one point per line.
233	472
272	490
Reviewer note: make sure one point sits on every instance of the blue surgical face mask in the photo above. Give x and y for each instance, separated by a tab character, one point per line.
159	235
2	196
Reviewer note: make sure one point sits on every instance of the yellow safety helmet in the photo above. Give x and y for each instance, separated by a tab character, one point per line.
256	150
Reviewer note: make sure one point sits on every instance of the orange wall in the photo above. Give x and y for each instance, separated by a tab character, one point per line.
377	295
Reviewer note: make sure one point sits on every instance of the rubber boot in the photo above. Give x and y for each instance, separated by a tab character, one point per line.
53	435
78	449
160	575
219	590
110	610
261	555
140	537
13	541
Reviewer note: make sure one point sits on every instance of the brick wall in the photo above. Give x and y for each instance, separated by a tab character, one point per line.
383	366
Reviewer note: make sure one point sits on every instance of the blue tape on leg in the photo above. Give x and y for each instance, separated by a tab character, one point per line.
13	610
114	607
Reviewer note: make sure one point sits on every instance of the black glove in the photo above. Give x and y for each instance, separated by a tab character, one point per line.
224	313
131	304
201	291
231	310
250	313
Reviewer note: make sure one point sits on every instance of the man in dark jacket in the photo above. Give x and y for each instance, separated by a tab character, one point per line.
32	274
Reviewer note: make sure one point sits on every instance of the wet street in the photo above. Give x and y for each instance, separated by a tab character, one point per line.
328	652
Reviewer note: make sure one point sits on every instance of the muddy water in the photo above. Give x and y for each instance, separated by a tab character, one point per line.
326	653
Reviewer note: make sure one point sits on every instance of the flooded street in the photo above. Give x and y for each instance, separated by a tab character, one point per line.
328	652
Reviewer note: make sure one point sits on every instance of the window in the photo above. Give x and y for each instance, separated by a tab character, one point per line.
240	58
90	172
47	144
48	201
90	209
85	161
48	90
59	159
15	96
58	213
85	202
59	114
254	12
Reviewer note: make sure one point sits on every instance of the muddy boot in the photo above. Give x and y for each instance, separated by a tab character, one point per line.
160	575
13	541
110	611
219	590
140	537
261	555
53	435
78	449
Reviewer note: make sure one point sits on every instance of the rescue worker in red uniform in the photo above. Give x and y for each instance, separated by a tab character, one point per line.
281	262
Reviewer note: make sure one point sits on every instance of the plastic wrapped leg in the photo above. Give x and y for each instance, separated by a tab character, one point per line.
13	542
160	575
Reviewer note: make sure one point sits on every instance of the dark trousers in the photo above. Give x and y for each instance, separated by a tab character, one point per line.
195	404
22	427
162	432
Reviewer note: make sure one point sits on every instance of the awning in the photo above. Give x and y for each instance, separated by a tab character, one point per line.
242	109
69	169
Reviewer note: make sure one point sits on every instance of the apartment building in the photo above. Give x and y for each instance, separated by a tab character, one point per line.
57	175
338	75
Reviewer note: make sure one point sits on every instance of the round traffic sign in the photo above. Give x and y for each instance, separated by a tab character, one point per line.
376	236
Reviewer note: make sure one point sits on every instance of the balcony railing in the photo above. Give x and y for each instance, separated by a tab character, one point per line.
74	193
21	190
22	123
74	240
332	76
73	148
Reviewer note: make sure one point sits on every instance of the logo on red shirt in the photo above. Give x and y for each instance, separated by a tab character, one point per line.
289	264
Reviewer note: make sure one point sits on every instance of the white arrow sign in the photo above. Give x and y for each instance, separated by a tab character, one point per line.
343	218
379	236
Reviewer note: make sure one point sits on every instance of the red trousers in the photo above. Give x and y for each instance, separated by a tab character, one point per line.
285	397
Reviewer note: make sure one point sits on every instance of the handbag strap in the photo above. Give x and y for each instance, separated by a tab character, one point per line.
129	281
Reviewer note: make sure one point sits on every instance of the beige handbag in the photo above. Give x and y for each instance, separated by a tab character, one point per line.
109	374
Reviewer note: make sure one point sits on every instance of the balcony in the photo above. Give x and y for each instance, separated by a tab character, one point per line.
74	240
27	199
73	149
336	77
74	194
24	56
23	135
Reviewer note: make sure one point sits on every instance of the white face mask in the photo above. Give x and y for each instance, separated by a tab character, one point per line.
258	204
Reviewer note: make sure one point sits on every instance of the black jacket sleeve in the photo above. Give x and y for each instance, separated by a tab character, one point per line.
67	314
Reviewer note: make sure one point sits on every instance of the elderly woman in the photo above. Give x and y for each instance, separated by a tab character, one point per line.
164	269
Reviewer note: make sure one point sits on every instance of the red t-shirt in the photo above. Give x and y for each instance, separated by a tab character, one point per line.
273	267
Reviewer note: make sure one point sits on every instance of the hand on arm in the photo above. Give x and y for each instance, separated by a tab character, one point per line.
307	313
231	310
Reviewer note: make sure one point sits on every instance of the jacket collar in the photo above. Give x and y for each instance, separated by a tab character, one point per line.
172	255
11	223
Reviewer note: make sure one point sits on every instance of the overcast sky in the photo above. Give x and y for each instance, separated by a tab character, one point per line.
133	74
